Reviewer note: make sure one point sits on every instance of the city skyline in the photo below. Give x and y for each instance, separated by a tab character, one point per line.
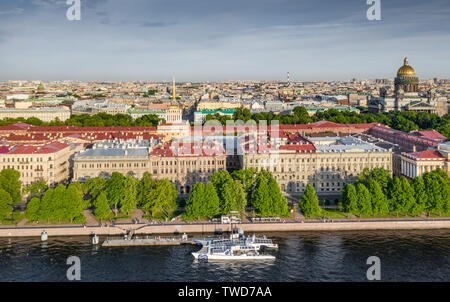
198	41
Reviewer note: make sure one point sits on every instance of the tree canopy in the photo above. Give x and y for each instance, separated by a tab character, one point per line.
9	181
203	202
309	203
267	197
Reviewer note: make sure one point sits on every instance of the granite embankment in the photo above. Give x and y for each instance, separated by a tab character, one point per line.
171	228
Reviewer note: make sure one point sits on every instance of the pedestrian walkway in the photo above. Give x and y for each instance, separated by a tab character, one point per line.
90	219
137	215
22	222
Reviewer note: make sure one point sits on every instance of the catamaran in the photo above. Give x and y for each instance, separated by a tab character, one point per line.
230	252
236	247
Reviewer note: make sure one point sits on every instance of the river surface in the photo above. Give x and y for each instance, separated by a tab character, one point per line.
302	256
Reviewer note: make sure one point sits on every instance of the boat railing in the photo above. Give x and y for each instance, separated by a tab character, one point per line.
260	240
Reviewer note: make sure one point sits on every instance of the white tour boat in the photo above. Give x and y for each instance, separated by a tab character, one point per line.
230	252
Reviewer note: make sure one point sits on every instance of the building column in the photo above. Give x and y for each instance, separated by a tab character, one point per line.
402	167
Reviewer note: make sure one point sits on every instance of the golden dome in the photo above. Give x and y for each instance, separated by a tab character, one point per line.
406	69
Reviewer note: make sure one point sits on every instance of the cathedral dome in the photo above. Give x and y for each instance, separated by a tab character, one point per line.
406	69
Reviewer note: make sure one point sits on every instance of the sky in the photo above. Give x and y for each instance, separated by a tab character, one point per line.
212	40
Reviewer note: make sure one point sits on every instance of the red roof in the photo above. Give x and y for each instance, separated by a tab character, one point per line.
188	149
298	127
365	126
91	129
432	154
403	135
298	147
327	124
22	126
16	127
433	135
36	149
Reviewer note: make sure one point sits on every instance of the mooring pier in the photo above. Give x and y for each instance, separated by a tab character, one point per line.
146	240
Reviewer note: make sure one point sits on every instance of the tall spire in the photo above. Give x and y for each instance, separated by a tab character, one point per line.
173	88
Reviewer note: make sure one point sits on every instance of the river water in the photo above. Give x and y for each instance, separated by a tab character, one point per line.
418	255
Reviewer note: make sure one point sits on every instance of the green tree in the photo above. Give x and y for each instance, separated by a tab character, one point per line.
350	199
129	199
37	189
380	175
195	202
32	211
9	181
78	187
301	115
261	196
233	197
380	204
364	200
211	205
74	203
420	196
268	198
94	186
437	189
164	202
115	189
247	178
309	203
218	179
401	195
444	181
102	209
60	205
44	209
146	190
6	203
409	201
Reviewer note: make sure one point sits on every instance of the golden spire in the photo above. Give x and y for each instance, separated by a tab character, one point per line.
173	88
405	62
